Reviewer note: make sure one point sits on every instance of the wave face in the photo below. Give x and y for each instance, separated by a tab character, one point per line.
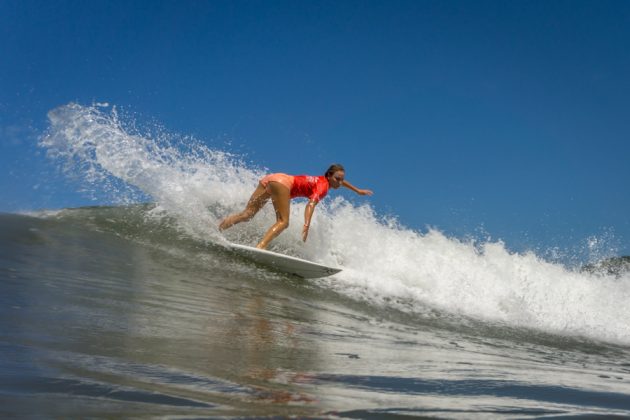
113	311
461	283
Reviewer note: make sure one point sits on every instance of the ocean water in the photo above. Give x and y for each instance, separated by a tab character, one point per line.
139	310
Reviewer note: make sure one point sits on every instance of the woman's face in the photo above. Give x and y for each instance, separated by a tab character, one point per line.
336	179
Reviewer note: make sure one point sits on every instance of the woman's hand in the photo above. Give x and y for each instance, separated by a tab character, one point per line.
304	232
355	189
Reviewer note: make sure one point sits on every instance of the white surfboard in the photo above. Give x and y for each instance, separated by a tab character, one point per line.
285	263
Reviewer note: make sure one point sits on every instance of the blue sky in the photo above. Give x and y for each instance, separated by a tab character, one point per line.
507	117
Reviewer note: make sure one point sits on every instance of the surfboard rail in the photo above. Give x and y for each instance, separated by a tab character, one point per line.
284	263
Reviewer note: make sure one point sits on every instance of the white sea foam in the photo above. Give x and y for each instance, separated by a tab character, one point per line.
383	262
93	145
396	266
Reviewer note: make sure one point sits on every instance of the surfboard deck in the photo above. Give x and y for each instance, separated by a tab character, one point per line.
284	263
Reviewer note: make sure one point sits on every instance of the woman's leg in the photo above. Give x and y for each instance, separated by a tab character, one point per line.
255	203
281	199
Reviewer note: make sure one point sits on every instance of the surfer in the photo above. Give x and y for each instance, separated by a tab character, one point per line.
281	188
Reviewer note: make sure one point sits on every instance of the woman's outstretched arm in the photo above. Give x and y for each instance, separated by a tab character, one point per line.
355	189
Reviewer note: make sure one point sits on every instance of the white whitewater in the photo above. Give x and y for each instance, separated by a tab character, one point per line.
384	263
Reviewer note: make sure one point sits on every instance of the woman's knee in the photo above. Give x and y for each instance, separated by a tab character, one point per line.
282	224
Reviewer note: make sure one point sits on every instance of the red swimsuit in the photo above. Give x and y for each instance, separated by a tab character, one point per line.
312	187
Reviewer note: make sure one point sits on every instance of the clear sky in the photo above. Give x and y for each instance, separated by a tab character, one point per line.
508	117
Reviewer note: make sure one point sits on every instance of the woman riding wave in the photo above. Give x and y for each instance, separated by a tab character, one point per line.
281	188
